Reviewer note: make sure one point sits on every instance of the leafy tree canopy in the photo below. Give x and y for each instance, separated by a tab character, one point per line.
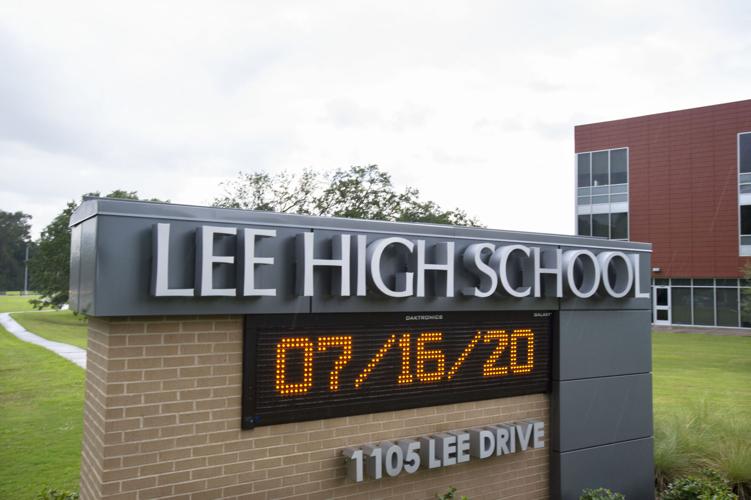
50	264
14	237
360	192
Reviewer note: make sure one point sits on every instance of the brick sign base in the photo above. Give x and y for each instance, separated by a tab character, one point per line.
162	420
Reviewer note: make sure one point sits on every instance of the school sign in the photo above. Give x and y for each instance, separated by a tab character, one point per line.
237	353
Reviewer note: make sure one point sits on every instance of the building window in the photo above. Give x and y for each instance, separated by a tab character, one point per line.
602	194
708	302
727	306
600	225
600	175
584	222
618	167
681	305
744	192
583	170
703	306
619	226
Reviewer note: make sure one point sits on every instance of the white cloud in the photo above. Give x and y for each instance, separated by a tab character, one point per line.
473	103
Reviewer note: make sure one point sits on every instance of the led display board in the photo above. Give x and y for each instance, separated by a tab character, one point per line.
308	367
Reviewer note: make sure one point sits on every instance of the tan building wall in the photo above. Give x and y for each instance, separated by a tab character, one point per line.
162	420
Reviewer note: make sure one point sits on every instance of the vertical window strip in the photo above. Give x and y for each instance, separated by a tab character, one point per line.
585	163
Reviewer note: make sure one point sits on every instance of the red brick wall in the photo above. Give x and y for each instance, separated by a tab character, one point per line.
683	184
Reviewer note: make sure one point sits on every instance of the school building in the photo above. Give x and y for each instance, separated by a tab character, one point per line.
680	180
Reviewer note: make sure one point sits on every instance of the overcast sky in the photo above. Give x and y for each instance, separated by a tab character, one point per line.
472	102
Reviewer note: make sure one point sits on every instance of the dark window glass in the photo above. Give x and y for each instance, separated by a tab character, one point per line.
745	311
744	150
662	296
681	304
745	219
618	167
619	226
727	307
583	170
680	282
661	281
600	225
662	315
584	226
703	306
726	282
704	282
600	168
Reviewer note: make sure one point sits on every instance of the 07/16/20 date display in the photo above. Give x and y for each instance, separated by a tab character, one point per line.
308	367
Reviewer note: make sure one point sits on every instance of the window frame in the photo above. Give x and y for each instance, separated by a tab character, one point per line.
738	193
627	185
691	285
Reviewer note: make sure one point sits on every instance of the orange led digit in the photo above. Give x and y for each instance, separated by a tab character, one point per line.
405	343
464	354
374	361
295	388
424	355
528	334
490	369
343	342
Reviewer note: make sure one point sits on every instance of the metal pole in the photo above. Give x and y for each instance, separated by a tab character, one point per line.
26	272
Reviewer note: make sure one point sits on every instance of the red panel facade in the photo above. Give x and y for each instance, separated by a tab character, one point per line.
683	185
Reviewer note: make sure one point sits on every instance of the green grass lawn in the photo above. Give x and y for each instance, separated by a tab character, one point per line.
60	326
11	303
41	415
702	406
689	369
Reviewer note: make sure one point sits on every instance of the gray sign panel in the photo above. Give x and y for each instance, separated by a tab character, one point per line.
138	258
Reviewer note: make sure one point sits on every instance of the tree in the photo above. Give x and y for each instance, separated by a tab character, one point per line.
50	264
14	238
360	192
279	193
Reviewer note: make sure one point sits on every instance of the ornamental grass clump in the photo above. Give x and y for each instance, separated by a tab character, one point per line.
699	443
732	459
677	447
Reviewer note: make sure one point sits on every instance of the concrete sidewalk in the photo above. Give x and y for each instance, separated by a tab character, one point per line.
706	330
67	351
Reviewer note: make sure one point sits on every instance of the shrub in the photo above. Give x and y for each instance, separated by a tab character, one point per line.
707	486
55	494
600	494
450	495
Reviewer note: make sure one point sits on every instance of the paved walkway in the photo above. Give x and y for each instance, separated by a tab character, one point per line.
69	352
706	330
